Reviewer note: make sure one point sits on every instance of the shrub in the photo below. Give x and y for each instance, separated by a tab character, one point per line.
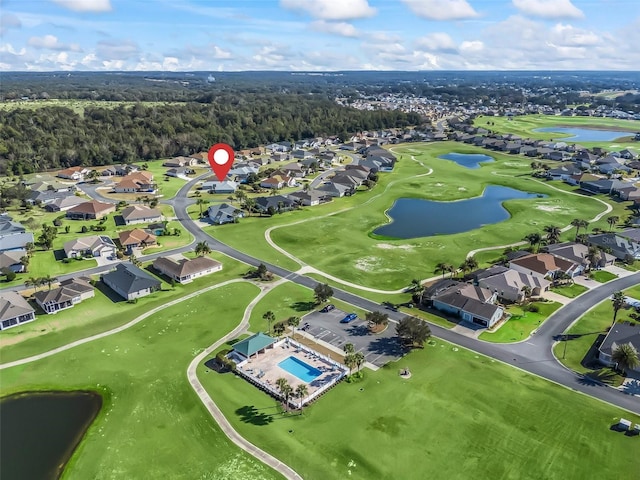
533	308
84	229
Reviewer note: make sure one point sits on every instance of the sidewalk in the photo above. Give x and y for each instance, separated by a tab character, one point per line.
619	271
556	297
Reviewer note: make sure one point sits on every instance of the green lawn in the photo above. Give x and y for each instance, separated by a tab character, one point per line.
583	334
524	126
521	323
459	416
390	264
152	424
99	314
602	276
571	291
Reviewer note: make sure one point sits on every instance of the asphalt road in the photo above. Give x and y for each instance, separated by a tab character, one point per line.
534	356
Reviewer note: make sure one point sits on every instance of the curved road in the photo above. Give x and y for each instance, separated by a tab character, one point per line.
534	356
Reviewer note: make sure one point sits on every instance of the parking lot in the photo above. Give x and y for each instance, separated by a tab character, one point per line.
378	349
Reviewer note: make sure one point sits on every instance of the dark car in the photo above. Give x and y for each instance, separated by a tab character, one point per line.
349	318
328	308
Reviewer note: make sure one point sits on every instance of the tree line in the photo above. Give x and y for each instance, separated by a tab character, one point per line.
58	137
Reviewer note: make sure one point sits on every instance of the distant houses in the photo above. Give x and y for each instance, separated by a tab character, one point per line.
14	310
13	235
624	245
185	270
68	294
131	282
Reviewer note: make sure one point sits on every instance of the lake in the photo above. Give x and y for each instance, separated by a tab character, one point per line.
415	217
40	430
467	160
585	134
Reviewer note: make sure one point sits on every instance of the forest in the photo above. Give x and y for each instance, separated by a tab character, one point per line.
55	137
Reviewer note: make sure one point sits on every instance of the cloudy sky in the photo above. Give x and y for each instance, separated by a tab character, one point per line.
307	35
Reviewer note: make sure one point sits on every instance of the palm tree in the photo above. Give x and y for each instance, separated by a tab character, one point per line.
534	239
202	249
471	263
349	348
553	233
278	329
594	256
612	220
269	317
350	361
618	301
359	359
301	391
200	202
34	282
25	262
285	389
250	205
293	322
240	195
48	280
444	268
526	289
29	247
626	357
579	223
416	285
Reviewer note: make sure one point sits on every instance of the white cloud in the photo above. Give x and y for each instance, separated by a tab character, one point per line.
568	35
332	9
474	46
436	42
441	9
549	8
51	42
337	28
111	50
8	21
86	5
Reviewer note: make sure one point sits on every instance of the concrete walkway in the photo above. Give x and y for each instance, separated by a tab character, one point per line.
213	409
618	271
556	297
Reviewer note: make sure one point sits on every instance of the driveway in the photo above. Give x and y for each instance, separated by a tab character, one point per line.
378	349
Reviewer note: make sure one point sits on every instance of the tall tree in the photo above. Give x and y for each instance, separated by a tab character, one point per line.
269	316
301	391
534	239
48	280
553	233
293	322
377	318
612	220
413	331
322	292
359	359
444	268
350	361
617	302
279	328
201	202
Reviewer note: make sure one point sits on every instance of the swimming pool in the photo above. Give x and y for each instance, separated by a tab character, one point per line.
300	369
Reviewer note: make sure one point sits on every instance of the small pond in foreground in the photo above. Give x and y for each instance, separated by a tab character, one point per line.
415	217
467	160
40	430
585	134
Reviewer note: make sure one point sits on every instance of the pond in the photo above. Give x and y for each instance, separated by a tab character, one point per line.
585	134
467	160
40	430
415	217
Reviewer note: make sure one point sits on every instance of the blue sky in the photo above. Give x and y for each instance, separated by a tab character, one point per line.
310	35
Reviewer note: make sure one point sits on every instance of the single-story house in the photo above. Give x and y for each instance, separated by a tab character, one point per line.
215	186
13	235
137	182
223	213
545	265
181	162
136	238
90	246
69	293
335	189
623	245
62	204
295	170
276	203
577	253
47	196
11	259
619	334
50	185
309	198
141	214
130	282
73	173
185	270
278	182
469	302
91	210
509	285
14	310
629	193
180	172
606	186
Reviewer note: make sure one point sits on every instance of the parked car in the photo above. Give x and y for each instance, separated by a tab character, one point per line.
349	318
328	308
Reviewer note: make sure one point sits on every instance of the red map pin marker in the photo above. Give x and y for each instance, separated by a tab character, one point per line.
221	158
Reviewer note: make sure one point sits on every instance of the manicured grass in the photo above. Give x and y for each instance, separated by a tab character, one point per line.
396	298
521	323
602	276
341	245
429	317
99	314
525	124
152	424
571	291
459	416
584	333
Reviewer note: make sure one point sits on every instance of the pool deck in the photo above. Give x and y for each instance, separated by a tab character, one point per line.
262	369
